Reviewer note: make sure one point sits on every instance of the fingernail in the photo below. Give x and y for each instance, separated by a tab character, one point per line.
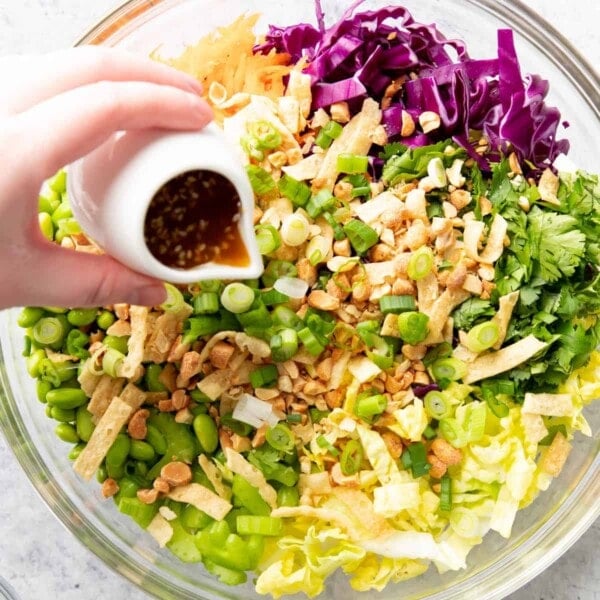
148	295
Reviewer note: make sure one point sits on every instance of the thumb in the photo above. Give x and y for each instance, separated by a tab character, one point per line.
67	278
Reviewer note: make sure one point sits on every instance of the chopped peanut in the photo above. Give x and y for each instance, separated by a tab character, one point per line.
109	488
438	468
166	405
323	301
408	124
340	288
180	399
343	190
345	480
342	247
340	112
334	398
447	453
429	121
185	415
176	473
403	287
220	354
324	369
414	352
260	436
137	424
314	388
460	198
393	443
306	271
161	485
148	496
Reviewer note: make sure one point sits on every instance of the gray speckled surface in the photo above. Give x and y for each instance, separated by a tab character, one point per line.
38	556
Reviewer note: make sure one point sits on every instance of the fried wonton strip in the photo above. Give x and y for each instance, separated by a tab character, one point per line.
216	383
160	530
106	389
553	460
214	476
202	498
550	405
535	429
495	241
354	139
307	168
493	363
135	344
506	306
238	464
88	380
133	396
427	292
116	416
440	311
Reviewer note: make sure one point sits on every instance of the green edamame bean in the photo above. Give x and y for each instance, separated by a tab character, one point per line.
65	415
41	389
66	433
105	319
206	431
118	452
141	468
48	411
62	211
83	422
151	378
115	471
46	225
34	361
101	474
47	204
29	316
58	183
156	439
118	343
82	316
76	451
199	409
141	450
66	397
127	488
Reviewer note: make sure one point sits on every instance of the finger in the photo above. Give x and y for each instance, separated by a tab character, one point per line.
61	277
37	78
72	124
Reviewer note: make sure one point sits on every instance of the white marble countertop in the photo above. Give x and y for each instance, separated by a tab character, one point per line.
38	556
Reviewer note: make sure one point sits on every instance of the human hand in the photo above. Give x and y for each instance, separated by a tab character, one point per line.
55	109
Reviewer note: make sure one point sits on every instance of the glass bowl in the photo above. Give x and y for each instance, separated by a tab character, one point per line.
541	533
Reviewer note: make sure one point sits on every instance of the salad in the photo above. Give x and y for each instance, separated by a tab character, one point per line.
410	369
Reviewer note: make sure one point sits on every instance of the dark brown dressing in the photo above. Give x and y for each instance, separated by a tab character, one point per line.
193	219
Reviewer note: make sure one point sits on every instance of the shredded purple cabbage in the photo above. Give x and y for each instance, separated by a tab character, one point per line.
363	53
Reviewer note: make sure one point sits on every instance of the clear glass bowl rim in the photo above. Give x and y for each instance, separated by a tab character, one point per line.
564	527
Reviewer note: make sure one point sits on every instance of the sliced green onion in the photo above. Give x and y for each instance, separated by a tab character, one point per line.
295	229
261	181
174	302
267	238
322	201
436	405
258	525
449	369
258	317
482	336
352	163
361	235
338	231
397	304
280	437
206	303
429	433
418	459
420	263
112	361
58	183
297	191
272	296
237	297
264	376
267	137
352	458
310	341
294	418
196	327
413	327
249	145
446	493
293	287
323	442
284	345
316	415
333	129
318	249
405	459
276	269
323	140
29	316
50	331
211	285
286	317
370	406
